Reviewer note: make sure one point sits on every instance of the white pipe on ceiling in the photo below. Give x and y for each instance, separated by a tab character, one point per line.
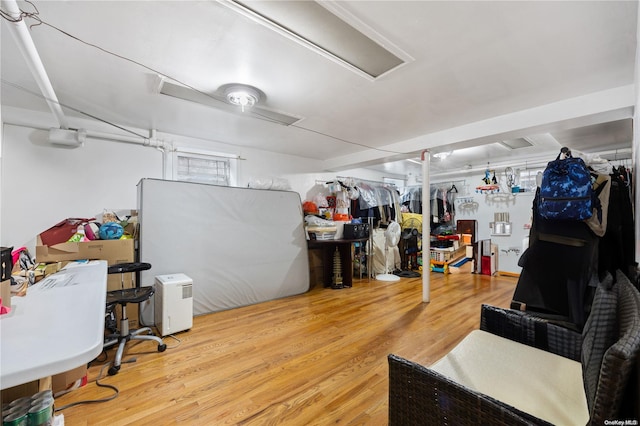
28	49
137	140
76	138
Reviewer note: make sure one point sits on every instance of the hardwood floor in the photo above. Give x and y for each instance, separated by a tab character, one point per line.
313	359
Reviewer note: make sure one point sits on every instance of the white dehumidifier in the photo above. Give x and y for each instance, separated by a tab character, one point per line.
173	303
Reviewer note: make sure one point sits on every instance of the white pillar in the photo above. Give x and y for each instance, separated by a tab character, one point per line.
426	227
636	142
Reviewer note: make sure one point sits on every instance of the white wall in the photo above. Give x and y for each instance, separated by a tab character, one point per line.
42	184
519	208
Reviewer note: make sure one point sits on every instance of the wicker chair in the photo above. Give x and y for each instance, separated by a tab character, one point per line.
604	359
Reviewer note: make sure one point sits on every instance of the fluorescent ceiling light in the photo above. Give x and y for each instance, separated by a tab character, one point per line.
516	143
313	25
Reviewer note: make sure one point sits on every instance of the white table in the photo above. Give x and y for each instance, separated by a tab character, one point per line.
56	327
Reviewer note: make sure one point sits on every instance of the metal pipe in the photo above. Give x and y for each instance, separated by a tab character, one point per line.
28	49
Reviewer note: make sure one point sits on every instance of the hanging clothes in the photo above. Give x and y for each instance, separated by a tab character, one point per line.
378	201
442	201
412	199
368	196
567	258
617	245
558	268
442	205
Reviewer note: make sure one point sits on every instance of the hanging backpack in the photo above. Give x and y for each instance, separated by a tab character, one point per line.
566	192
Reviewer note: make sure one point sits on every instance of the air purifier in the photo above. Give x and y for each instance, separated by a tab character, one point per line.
173	303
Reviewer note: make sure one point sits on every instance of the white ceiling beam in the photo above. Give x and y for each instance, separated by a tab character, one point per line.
595	108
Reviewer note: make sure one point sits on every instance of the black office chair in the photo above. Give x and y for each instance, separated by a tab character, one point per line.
121	297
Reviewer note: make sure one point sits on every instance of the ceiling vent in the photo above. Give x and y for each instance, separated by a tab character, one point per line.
516	143
219	101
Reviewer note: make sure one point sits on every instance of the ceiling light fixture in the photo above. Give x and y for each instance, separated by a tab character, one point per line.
218	100
350	43
442	155
242	95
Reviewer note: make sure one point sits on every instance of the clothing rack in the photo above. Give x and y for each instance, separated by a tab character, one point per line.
412	194
328	181
375	186
341	179
367	181
458	184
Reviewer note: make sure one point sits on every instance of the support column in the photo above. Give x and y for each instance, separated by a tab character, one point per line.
426	227
636	143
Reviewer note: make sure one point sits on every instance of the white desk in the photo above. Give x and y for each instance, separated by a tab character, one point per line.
56	327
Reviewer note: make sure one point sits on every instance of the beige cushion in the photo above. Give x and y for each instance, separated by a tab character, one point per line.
540	383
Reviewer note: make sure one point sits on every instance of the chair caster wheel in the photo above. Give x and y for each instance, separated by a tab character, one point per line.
113	370
162	347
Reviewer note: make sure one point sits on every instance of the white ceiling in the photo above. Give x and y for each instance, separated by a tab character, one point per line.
477	73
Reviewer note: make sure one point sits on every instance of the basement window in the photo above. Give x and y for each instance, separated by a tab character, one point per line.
203	167
527	179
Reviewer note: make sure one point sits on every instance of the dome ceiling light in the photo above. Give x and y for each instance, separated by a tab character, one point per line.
242	95
218	100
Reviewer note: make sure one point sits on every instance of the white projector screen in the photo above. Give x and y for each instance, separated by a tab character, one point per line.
240	246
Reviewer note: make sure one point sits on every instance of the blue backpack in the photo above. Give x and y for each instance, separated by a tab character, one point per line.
566	192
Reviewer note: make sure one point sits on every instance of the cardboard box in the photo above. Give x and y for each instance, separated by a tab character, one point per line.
113	251
5	293
25	390
64	381
56	383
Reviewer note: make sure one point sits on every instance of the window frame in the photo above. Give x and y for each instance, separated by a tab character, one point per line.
172	164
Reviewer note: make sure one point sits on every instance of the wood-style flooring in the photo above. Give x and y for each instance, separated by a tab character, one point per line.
314	359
